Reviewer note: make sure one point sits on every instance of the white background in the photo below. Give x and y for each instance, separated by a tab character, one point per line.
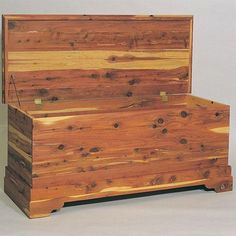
214	77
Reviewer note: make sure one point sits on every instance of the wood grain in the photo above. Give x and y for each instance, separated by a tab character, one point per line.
20	143
87	142
100	126
98	148
86	188
65	60
126	51
103	34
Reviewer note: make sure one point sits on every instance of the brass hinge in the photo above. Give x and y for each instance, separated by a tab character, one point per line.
38	101
164	97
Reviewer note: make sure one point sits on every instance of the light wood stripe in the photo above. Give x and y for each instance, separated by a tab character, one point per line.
130	188
221	130
52	120
64	110
64	60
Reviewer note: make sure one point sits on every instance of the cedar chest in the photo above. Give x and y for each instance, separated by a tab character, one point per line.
101	106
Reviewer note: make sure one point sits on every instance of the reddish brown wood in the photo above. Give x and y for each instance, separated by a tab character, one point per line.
80	84
128	35
86	118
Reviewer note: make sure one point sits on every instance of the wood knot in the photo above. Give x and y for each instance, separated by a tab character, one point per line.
172	179
183	141
22	164
70	127
91	186
154	126
164	131
61	147
160	121
72	44
85	154
94	149
112	58
54	99
202	147
183	114
116	125
94	76
133	81
156	181
206	174
222	187
129	94
218	114
50	78
153	152
109	75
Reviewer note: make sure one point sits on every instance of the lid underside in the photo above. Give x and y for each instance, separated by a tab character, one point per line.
76	57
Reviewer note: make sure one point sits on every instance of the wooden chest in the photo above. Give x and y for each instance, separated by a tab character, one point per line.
101	106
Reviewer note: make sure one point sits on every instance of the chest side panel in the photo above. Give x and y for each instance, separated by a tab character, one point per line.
75	57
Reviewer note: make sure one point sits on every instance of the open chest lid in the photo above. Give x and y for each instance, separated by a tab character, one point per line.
57	57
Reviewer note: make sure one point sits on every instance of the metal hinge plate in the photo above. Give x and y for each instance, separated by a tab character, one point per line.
164	97
38	101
